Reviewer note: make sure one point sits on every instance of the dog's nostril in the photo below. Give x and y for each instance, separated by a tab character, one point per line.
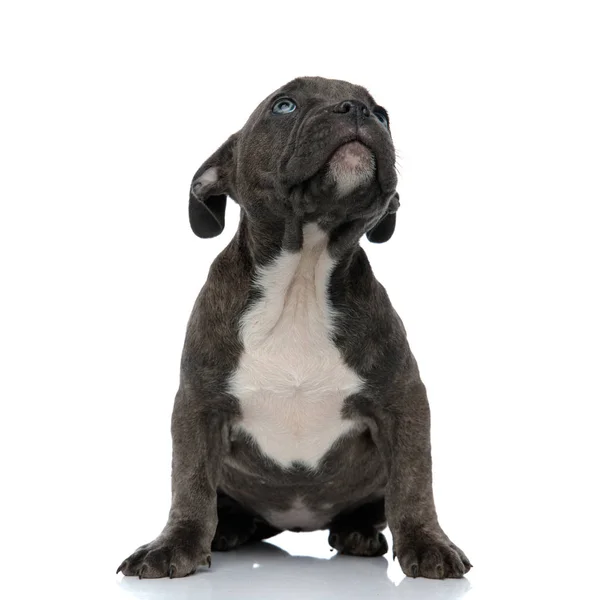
354	106
344	107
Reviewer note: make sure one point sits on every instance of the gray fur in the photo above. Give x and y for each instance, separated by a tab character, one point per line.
222	485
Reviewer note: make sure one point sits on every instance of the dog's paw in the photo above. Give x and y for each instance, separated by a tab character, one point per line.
163	559
434	557
176	554
232	533
358	543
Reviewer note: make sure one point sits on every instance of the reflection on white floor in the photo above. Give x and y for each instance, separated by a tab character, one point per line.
266	570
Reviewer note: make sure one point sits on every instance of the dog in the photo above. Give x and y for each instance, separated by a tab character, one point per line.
300	406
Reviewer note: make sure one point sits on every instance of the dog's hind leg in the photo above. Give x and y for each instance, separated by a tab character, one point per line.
358	532
237	526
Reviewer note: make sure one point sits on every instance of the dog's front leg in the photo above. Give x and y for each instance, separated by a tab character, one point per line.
198	433
403	435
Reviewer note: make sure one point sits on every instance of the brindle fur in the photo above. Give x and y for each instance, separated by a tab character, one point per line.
380	472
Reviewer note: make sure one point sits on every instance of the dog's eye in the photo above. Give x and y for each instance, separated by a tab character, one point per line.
381	117
284	106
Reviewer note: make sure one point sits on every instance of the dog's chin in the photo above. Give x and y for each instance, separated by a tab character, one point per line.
350	166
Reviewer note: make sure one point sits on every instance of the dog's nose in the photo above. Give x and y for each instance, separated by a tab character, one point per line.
355	106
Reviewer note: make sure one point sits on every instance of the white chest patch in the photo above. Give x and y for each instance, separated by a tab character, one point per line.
291	380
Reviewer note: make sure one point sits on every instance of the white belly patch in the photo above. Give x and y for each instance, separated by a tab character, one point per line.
291	380
297	516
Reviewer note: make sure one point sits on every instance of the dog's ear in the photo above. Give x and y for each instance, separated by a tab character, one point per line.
211	185
384	228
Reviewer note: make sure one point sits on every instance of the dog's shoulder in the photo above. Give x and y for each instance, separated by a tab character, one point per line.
211	336
368	331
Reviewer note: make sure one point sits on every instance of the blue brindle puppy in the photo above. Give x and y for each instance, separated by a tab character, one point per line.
300	405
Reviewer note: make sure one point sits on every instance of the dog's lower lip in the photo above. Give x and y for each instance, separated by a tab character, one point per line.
355	145
354	142
353	152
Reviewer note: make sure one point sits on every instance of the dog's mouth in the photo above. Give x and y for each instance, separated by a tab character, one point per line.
352	155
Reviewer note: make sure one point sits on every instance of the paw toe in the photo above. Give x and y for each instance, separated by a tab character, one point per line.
432	564
409	562
454	565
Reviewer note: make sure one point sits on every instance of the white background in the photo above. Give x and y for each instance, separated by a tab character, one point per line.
107	110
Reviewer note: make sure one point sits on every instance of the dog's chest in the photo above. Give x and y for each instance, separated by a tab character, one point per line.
291	380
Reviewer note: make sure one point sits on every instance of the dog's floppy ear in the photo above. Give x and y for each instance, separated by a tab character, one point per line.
384	228
210	187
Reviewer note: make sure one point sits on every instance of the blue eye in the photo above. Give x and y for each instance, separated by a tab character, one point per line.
284	106
382	118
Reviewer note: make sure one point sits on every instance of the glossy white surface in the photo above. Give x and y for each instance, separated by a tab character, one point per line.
270	571
300	566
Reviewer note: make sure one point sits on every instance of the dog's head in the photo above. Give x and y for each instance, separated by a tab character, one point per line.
317	150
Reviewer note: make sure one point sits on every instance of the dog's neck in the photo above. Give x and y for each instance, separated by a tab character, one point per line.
263	241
